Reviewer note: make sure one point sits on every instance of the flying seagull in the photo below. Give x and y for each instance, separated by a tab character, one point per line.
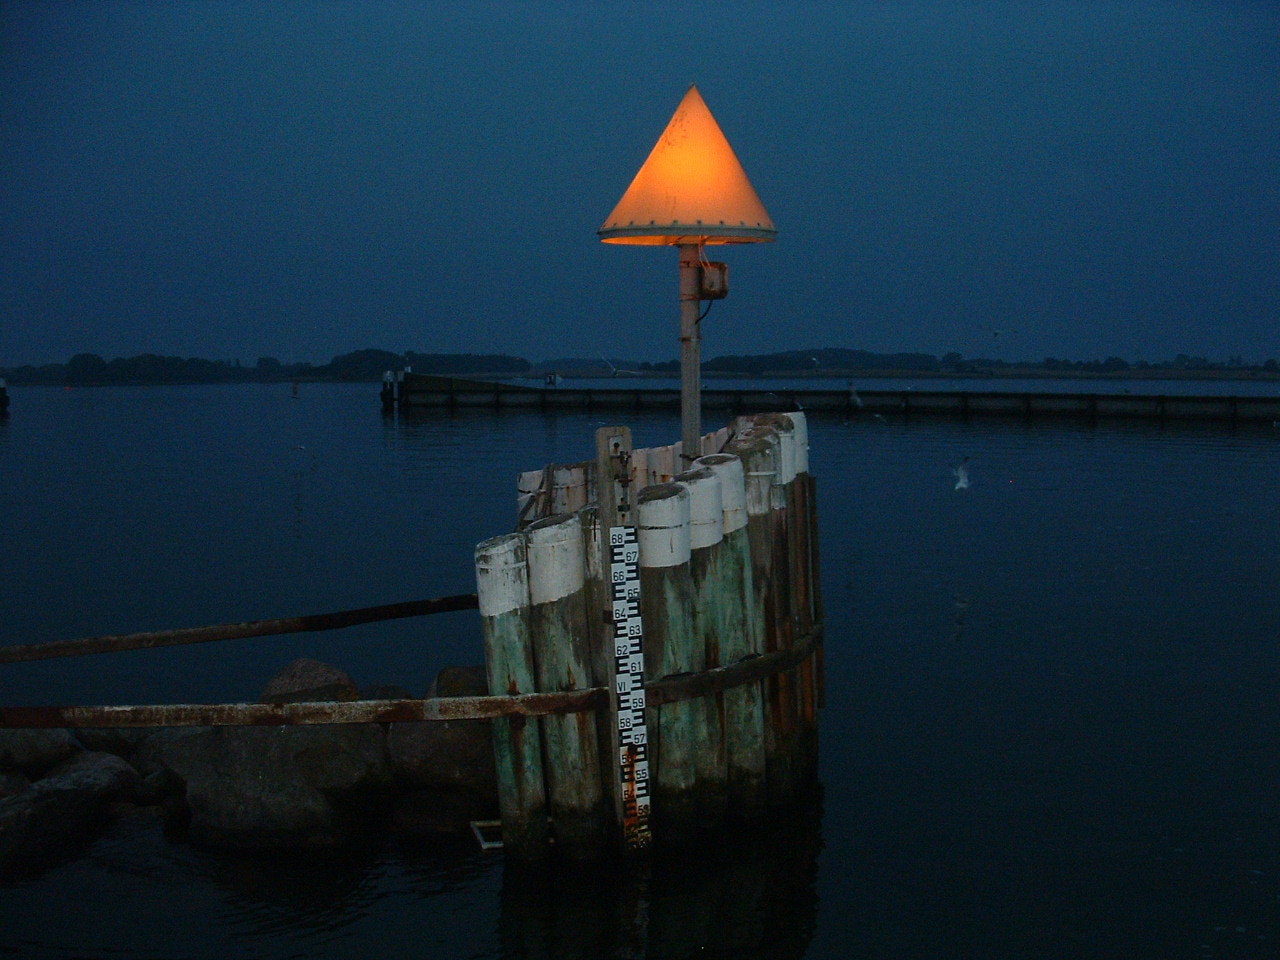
961	472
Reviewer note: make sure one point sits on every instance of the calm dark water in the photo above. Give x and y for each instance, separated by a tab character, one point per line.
1053	715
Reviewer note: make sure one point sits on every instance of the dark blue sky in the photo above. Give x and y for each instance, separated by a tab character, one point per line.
1018	180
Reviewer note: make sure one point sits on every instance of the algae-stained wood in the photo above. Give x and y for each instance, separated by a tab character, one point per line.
742	715
562	660
760	451
502	588
716	615
672	647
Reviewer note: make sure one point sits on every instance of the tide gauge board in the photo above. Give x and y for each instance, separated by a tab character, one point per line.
617	520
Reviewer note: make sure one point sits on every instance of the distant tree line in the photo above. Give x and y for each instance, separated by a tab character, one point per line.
89	369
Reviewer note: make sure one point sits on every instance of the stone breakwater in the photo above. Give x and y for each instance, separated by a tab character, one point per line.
251	788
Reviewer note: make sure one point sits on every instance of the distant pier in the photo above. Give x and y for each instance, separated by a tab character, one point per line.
412	391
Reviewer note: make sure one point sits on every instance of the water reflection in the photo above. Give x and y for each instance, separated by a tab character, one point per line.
749	895
267	896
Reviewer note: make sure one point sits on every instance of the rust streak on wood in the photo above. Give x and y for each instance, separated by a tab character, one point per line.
235	631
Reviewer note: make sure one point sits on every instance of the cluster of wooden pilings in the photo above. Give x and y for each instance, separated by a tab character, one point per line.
688	600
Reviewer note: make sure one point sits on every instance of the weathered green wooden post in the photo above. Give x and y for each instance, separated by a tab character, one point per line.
502	586
810	484
715	609
600	648
666	592
743	637
759	449
793	530
562	659
805	606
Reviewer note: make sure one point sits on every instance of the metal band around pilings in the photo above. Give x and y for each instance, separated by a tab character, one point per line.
667	690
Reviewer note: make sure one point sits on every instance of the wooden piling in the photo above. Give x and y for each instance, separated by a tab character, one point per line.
672	648
795	528
502	588
760	449
742	638
562	660
601	638
716	609
806	592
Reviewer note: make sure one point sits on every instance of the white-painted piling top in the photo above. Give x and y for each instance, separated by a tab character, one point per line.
706	507
761	471
791	431
786	453
556	563
733	489
801	424
663	531
502	575
529	481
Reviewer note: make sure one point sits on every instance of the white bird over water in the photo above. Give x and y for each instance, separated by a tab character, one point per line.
961	471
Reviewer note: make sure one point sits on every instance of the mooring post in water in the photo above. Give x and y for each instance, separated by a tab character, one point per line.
805	602
743	637
562	661
810	485
797	528
598	639
760	451
618	485
691	603
666	589
784	522
716	606
502	588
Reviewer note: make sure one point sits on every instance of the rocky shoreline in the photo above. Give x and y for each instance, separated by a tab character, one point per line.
251	789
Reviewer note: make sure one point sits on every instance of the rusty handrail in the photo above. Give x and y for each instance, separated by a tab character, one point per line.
666	690
235	631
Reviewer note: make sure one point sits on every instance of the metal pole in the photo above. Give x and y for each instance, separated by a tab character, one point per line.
690	356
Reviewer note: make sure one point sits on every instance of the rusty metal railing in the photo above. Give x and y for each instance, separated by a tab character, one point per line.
235	631
667	690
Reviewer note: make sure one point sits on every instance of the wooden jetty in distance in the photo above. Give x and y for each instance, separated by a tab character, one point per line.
409	391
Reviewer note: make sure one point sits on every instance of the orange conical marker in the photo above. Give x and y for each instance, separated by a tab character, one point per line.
692	189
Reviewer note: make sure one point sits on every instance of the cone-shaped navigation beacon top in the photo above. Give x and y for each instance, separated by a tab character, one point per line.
692	189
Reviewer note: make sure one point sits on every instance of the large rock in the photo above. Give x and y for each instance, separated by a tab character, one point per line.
447	767
58	813
35	750
280	787
122	741
12	784
306	680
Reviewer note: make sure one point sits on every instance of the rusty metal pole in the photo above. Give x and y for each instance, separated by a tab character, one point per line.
690	357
